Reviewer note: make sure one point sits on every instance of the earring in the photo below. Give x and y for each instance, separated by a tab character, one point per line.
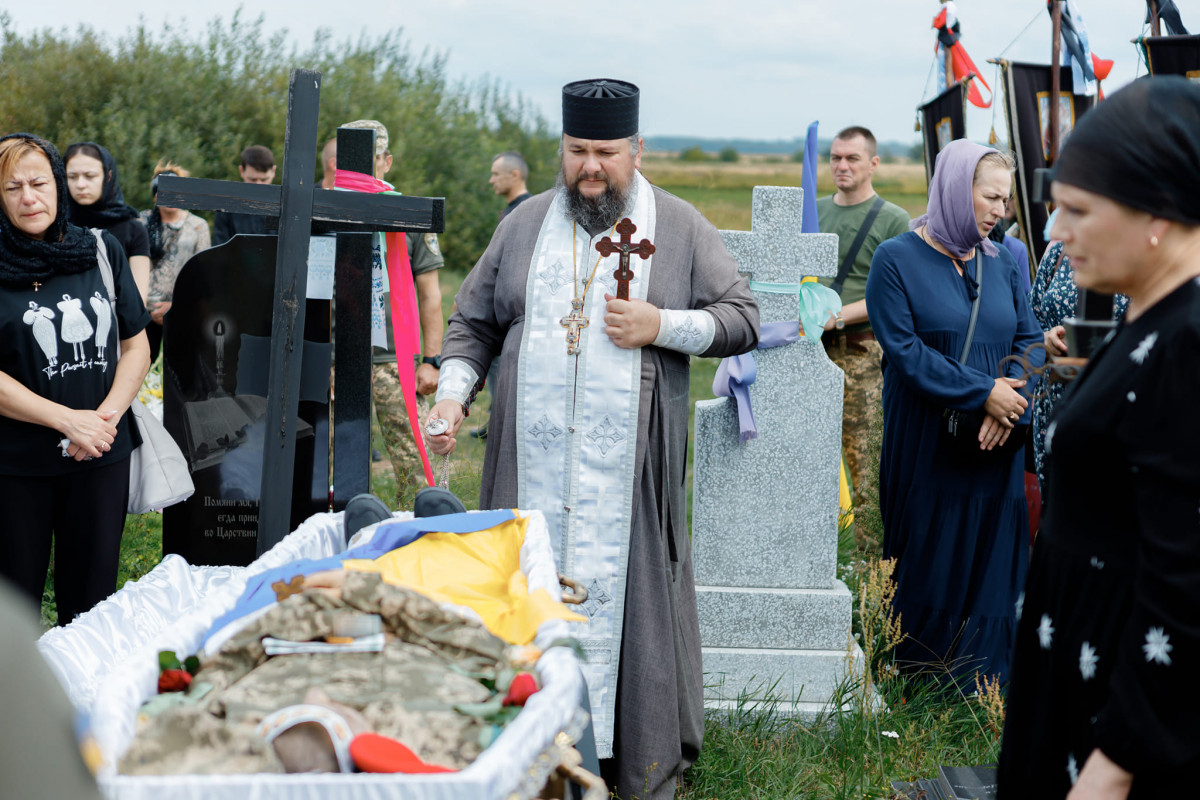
1153	240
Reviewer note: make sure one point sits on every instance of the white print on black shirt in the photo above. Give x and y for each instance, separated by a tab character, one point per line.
43	330
103	322
76	328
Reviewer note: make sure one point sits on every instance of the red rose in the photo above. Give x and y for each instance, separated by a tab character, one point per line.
173	680
521	689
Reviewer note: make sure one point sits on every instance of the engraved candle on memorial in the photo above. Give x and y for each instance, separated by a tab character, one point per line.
219	339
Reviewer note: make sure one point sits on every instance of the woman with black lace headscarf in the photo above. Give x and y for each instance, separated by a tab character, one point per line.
65	431
97	202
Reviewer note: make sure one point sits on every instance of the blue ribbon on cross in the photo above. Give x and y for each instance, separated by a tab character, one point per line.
736	373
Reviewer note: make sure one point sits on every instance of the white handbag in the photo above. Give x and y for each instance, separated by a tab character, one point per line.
158	473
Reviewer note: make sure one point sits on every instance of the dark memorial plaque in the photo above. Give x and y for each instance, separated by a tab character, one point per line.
300	210
216	354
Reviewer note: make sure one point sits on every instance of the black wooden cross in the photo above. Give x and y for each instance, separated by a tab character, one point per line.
607	247
301	210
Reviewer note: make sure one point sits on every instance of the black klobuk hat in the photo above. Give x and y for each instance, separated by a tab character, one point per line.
600	108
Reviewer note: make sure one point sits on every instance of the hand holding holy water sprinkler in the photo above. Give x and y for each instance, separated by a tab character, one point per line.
436	426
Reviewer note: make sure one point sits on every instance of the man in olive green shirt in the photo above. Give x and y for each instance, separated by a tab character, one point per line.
853	159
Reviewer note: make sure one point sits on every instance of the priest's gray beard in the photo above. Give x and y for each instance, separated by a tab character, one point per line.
599	213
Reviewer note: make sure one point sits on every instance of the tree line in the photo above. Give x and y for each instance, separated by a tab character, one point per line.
200	98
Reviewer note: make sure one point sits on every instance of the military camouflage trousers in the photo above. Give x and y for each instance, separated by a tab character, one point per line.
862	401
398	443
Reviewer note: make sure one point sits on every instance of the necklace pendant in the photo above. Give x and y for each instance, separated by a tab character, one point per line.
574	323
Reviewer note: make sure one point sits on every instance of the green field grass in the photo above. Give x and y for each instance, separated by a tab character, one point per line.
723	192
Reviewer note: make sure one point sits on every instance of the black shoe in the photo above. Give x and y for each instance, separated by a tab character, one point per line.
479	433
376	456
363	510
434	501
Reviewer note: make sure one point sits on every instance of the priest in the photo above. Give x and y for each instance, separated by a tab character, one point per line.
590	413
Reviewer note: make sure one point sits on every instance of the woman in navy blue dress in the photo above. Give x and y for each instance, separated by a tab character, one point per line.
956	523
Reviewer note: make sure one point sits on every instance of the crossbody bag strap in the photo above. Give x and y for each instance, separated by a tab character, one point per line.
106	274
974	308
1062	251
856	245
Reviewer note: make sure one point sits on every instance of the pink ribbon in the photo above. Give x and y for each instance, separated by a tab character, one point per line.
406	321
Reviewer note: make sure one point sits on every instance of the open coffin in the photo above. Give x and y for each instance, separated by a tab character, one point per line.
107	660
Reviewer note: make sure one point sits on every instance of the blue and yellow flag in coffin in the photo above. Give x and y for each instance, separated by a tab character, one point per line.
471	560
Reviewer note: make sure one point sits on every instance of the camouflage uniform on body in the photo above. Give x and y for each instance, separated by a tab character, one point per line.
855	349
425	256
862	401
406	692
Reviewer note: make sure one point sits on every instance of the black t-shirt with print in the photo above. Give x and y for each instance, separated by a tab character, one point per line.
58	339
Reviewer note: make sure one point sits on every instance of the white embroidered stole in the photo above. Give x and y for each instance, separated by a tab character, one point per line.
579	415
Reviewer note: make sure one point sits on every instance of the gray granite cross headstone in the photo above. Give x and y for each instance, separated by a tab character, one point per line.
765	513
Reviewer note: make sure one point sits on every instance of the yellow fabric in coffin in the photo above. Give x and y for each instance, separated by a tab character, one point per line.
481	571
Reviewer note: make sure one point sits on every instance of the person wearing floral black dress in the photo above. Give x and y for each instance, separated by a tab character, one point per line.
1102	702
1053	301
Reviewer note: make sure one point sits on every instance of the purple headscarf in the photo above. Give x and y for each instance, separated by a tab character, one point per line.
950	219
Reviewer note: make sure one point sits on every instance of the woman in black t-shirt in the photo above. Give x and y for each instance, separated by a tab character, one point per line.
97	202
65	432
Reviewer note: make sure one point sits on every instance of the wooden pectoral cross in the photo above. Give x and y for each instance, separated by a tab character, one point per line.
625	246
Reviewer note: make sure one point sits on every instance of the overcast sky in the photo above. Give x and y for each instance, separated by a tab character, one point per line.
760	69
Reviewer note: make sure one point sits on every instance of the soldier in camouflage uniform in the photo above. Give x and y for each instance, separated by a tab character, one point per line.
853	160
425	257
862	401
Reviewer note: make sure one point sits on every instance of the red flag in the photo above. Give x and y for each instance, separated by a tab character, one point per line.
961	63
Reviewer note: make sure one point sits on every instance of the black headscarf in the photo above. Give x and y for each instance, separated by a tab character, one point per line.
111	207
1141	148
66	248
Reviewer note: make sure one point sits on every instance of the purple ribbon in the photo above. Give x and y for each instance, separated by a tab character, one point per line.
736	373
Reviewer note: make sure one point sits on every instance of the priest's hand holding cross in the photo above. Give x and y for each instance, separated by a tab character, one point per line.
630	323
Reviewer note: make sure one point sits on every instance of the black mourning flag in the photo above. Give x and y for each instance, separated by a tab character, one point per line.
943	119
1173	55
1027	107
1168	12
